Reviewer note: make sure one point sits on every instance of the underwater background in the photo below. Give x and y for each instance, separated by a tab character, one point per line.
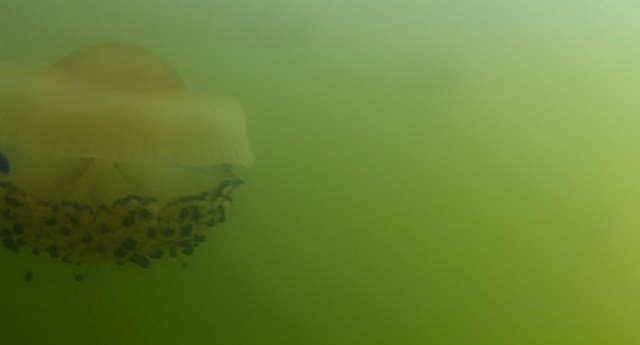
427	172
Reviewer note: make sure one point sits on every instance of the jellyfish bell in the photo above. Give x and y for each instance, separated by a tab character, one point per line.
121	67
108	154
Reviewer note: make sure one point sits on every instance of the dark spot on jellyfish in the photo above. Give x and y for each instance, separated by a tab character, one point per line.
86	239
65	231
157	254
211	222
199	238
140	260
189	198
123	201
4	164
187	249
7	186
147	200
53	251
35	251
195	214
21	242
67	259
12	201
104	228
10	244
151	232
221	214
120	252
168	232
184	213
186	230
126	201
28	277
128	220
18	229
129	244
52	221
70	204
222	187
79	277
185	265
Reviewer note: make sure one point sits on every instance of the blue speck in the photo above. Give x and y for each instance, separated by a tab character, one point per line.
4	164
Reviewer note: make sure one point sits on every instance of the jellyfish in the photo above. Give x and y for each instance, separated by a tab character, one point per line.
107	155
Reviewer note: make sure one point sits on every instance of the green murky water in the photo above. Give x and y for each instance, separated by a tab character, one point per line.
427	172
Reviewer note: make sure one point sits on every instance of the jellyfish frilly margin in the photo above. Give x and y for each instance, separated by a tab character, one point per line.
129	169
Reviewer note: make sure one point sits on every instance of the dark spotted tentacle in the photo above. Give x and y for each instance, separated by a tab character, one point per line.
133	229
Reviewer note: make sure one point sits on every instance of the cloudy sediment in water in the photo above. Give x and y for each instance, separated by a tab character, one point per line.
429	172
